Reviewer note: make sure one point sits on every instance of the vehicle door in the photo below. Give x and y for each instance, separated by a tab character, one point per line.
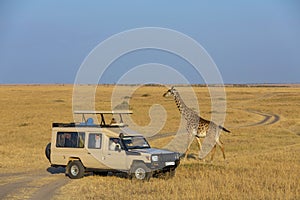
94	156
114	155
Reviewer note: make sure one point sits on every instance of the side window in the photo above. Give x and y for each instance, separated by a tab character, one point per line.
95	140
114	144
70	139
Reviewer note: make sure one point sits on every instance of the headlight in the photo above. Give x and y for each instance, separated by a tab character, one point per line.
154	158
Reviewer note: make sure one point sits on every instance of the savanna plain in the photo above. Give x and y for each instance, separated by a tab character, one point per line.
262	150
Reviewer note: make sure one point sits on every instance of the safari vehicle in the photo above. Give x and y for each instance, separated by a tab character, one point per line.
102	148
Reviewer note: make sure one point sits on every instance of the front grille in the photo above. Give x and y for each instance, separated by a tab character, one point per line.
167	157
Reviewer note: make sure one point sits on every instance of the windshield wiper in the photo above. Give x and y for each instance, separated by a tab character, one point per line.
139	147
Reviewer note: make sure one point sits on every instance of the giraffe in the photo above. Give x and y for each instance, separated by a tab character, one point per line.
198	127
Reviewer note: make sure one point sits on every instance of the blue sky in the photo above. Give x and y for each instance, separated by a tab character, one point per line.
250	41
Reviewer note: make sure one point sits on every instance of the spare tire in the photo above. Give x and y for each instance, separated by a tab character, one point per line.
48	151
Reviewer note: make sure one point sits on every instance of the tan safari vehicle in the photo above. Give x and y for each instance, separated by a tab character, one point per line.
102	148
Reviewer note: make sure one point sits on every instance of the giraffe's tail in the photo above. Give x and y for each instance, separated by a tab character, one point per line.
224	129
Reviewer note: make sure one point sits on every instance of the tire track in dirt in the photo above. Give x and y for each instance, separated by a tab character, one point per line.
32	185
15	181
267	120
47	191
7	189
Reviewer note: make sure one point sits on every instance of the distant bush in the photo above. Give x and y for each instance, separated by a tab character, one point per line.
146	95
23	124
59	100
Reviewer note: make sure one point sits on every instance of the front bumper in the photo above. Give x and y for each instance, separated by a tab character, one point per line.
163	165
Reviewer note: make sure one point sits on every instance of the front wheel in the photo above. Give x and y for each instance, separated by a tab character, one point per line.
75	169
139	171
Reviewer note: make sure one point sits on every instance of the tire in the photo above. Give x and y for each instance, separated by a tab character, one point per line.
139	171
48	151
75	169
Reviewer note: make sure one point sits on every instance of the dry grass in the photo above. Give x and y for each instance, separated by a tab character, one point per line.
263	162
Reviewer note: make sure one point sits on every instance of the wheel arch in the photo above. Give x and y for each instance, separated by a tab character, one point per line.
71	159
135	162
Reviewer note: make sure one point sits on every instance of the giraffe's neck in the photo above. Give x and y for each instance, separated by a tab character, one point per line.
180	104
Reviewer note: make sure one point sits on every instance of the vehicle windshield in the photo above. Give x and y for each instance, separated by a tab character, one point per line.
135	142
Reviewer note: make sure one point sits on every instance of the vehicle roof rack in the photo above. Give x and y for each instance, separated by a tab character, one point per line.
63	124
102	113
89	122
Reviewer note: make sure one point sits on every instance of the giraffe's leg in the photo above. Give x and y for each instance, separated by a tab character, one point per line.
213	151
188	149
199	143
185	154
220	143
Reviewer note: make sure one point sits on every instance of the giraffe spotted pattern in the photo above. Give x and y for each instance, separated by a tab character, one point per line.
198	127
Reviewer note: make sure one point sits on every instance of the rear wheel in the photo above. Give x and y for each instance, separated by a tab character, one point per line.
139	171
75	169
48	151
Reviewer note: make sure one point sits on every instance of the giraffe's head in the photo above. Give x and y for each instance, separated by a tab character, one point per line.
170	92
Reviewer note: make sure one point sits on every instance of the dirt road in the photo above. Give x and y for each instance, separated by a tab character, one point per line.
32	185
